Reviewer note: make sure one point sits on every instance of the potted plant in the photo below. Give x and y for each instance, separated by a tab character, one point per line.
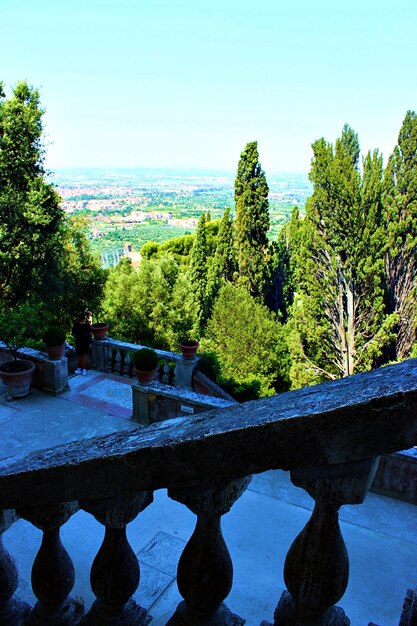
54	340
145	363
189	348
99	328
17	324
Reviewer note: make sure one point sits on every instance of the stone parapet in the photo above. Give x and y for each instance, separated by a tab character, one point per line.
157	402
329	436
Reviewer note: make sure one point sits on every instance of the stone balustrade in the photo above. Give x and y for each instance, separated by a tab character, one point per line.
113	356
328	436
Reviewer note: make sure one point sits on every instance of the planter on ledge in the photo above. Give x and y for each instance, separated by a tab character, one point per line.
145	363
54	339
189	349
55	352
144	377
17	377
99	330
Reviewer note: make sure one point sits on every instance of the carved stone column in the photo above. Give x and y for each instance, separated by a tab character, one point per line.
115	571
205	570
12	610
52	571
316	568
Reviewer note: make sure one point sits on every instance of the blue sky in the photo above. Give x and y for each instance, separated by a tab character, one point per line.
133	83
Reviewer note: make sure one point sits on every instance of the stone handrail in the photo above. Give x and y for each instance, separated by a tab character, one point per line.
113	356
328	436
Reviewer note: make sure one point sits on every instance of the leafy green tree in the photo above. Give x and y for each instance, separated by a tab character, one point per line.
400	204
152	305
121	308
198	273
43	257
31	218
81	278
149	249
252	222
338	322
248	341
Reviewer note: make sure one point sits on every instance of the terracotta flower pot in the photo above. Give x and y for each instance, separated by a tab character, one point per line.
99	330
55	353
17	377
189	349
144	377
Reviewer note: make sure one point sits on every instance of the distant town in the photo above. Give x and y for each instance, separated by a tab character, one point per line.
123	209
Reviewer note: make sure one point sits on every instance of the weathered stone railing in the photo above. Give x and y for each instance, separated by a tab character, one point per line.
328	437
113	356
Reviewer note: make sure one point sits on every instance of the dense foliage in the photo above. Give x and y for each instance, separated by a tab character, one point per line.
334	295
45	262
339	323
252	222
400	207
340	284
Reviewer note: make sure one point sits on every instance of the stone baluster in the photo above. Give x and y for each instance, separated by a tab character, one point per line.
52	571
118	361
98	356
12	610
316	568
126	364
115	571
109	359
166	371
205	570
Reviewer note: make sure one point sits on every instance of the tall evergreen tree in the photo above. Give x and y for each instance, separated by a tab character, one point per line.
223	265
31	218
283	266
198	273
400	203
338	323
252	222
43	257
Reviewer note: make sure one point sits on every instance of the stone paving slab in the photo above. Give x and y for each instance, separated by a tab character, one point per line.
41	421
106	392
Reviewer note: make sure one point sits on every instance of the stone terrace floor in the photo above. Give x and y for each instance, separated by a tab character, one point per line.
380	535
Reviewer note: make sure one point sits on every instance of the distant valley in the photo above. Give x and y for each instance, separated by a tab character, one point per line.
133	206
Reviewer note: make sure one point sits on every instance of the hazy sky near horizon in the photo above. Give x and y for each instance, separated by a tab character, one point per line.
186	83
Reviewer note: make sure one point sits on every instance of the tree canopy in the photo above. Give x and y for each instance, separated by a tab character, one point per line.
252	222
338	320
44	258
400	208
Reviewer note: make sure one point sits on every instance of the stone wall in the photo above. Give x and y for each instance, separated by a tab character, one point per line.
158	402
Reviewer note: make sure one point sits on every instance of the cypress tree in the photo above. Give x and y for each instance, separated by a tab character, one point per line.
252	222
283	263
400	203
223	265
198	273
338	324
